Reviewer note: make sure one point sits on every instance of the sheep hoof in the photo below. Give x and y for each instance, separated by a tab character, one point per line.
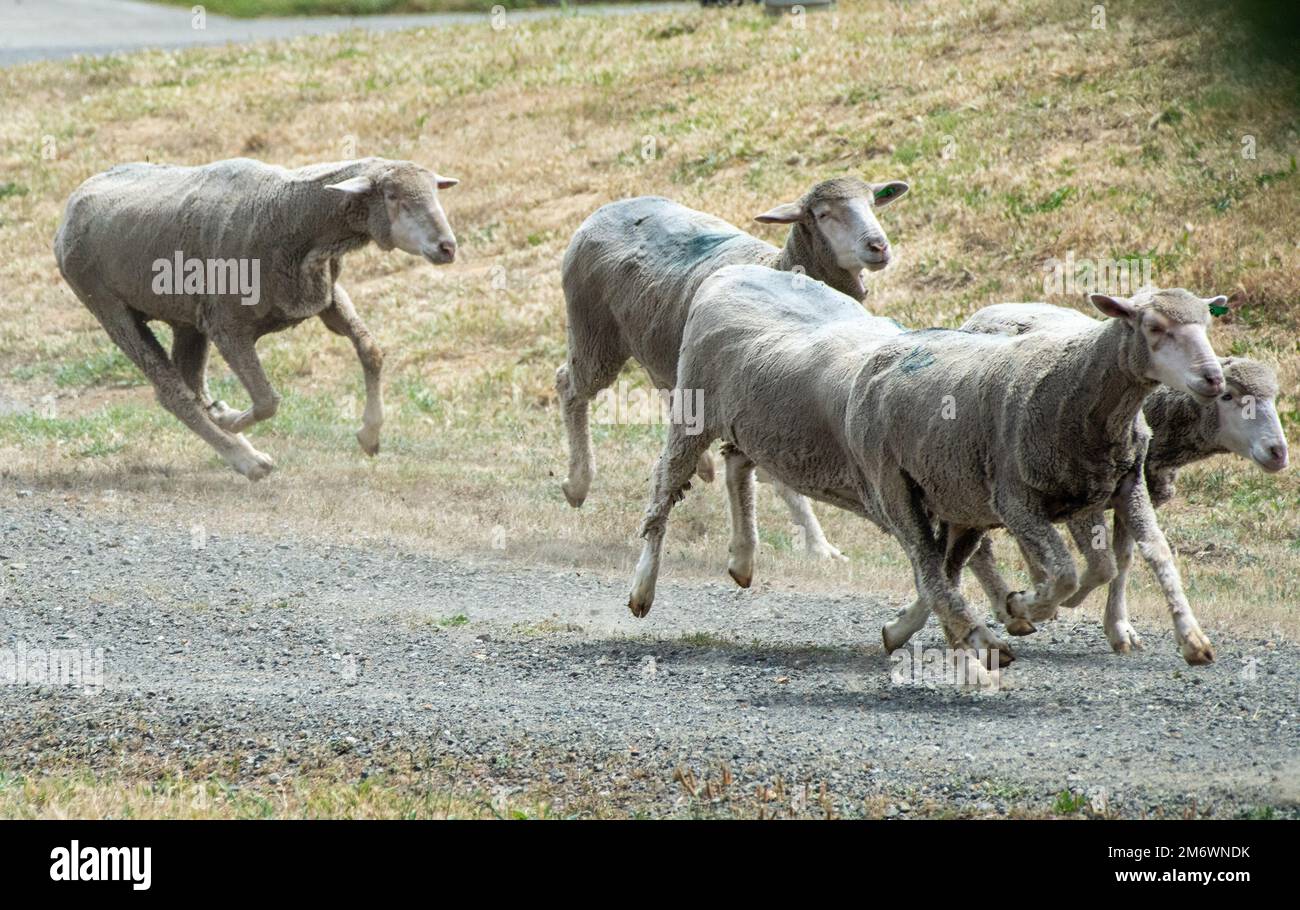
744	580
892	642
980	641
994	658
223	415
369	441
884	639
1021	605
1123	639
824	550
1197	650
575	499
638	606
256	466
704	469
1021	627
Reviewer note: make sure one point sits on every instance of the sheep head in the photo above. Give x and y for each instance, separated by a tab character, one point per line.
839	221
403	209
1248	421
1167	339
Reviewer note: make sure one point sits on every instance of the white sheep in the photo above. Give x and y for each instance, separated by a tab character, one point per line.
937	435
1243	420
633	267
286	229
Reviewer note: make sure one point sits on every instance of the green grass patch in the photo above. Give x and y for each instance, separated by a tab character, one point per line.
104	432
1067	803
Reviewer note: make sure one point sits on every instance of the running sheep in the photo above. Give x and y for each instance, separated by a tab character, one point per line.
633	267
938	435
260	248
1243	421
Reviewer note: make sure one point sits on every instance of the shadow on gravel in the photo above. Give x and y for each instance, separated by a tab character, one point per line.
1017	707
707	649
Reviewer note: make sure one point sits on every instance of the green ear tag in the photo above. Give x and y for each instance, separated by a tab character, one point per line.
1219	309
883	194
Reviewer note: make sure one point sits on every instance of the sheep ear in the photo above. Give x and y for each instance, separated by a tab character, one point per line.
444	183
788	213
886	193
353	185
1114	307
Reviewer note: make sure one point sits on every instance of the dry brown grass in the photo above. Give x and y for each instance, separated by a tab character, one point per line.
1115	143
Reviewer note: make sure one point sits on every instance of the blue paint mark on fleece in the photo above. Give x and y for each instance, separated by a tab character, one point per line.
916	359
701	245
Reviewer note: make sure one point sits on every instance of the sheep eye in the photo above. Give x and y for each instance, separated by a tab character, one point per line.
1227	396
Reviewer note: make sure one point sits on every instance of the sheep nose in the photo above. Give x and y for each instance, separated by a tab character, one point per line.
878	246
448	249
1213	381
1277	454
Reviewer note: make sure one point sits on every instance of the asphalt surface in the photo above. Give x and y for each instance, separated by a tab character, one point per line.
263	649
58	29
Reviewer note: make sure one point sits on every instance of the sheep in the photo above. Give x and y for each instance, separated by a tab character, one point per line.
146	242
1243	421
633	266
935	427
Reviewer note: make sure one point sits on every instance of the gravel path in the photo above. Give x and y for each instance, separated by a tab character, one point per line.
57	29
255	648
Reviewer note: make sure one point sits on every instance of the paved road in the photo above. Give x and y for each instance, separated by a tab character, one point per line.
57	29
258	652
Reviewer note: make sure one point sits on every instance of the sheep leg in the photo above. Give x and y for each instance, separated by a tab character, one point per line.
1016	625
744	521
905	516
342	319
129	332
815	542
984	567
1037	573
704	468
190	354
1089	532
1134	508
1049	560
1120	633
961	549
581	457
672	479
910	620
241	354
596	355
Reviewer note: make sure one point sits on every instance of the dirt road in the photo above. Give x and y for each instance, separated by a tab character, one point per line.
57	29
263	650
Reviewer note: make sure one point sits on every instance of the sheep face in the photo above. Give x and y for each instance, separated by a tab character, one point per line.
839	217
1168	341
1248	420
405	211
